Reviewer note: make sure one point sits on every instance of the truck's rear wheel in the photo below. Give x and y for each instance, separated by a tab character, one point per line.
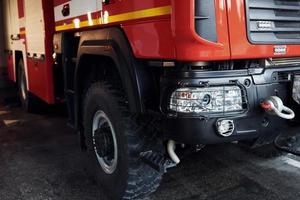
114	141
27	100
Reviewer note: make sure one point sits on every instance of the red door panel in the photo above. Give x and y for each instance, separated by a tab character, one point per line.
40	79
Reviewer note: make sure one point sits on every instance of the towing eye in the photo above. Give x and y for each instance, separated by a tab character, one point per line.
274	106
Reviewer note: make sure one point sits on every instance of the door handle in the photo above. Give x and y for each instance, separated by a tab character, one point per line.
15	37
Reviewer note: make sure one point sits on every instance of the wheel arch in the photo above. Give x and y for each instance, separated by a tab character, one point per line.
110	46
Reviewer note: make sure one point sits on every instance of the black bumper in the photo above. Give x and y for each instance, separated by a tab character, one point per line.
252	123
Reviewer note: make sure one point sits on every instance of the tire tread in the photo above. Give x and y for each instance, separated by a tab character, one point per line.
142	179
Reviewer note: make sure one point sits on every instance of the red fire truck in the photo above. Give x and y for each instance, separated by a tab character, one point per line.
141	78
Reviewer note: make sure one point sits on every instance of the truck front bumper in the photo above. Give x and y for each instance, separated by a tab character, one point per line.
251	123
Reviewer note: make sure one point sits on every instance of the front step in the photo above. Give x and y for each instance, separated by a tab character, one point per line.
157	161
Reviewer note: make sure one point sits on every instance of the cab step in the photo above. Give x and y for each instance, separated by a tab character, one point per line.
157	161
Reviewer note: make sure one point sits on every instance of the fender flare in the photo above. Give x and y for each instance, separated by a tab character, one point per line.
110	42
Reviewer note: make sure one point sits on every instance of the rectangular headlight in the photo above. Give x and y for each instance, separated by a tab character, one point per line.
207	100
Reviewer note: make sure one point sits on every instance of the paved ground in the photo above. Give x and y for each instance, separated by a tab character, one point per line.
40	160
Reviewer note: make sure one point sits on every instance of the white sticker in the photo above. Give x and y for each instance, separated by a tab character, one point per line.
280	50
77	8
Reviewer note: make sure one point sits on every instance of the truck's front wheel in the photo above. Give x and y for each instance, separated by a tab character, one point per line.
114	141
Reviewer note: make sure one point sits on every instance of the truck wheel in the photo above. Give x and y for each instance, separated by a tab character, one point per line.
26	98
114	142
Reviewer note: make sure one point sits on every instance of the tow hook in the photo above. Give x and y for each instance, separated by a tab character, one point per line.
171	151
273	105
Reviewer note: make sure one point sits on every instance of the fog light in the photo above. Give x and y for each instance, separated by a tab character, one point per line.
225	127
207	100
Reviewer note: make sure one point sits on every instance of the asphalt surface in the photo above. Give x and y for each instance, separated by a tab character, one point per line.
40	159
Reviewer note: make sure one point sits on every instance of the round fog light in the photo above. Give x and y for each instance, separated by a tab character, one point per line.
225	127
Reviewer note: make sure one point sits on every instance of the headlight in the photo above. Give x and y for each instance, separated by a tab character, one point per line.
207	100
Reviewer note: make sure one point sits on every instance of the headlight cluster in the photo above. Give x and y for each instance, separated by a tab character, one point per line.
207	100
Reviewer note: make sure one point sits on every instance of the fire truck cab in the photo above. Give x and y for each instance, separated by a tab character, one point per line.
141	78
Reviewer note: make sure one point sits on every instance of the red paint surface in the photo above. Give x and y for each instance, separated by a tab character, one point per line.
37	77
152	39
174	37
190	46
10	67
59	2
21	8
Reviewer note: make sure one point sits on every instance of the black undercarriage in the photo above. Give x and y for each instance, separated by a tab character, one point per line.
252	122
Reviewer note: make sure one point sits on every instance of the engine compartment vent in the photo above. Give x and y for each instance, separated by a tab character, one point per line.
205	20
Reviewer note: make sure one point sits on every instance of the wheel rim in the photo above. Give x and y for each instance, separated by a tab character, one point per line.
23	87
104	142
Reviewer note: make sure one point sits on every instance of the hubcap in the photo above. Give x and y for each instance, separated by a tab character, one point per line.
104	142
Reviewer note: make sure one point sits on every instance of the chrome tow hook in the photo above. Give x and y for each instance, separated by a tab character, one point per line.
273	105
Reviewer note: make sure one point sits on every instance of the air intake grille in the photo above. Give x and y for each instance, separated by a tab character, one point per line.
273	21
205	19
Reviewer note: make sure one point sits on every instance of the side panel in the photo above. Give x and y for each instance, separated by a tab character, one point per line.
151	39
14	13
147	23
14	39
6	24
189	45
35	32
7	44
39	33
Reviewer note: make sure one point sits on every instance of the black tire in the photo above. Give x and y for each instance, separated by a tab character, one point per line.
27	100
131	179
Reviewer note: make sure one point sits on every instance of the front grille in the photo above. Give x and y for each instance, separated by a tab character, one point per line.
273	21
